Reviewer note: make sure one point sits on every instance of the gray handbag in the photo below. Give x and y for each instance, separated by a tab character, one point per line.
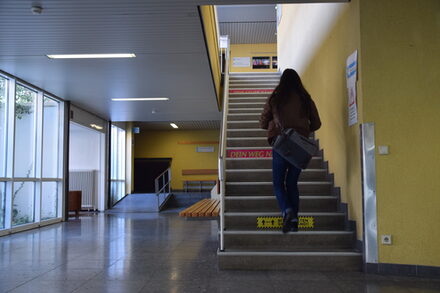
295	148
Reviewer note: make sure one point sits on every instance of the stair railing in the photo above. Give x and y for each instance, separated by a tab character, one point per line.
162	187
222	146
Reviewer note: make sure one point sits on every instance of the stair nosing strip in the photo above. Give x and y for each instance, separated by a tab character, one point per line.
246	138
278	214
266	197
246	121
244	114
267	170
279	253
235	183
266	158
263	232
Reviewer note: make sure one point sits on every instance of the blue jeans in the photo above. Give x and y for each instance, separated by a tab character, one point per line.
285	184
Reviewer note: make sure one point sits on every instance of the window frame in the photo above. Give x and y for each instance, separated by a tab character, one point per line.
37	178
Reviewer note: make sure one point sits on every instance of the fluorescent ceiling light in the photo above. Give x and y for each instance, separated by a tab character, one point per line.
91	56
174	125
139	99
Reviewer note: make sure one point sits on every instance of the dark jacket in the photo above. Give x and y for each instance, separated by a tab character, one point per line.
292	115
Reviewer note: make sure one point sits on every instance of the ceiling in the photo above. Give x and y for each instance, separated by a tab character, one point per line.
183	125
165	35
248	24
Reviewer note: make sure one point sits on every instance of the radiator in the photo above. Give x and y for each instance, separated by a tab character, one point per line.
84	180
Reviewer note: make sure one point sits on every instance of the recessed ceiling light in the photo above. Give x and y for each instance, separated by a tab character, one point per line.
174	125
91	56
139	99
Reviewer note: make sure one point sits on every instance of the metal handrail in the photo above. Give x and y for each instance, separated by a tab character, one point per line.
222	148
166	186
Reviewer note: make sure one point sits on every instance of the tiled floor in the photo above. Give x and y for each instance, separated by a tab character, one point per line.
150	252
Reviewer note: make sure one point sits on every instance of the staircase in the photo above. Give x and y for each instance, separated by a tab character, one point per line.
329	246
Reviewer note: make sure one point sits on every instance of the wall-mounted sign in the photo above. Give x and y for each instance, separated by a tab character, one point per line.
208	149
274	62
261	62
241	62
351	71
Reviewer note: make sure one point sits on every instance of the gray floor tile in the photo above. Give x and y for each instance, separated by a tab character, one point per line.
150	252
111	286
48	286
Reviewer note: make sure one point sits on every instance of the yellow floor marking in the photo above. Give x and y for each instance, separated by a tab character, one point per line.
277	222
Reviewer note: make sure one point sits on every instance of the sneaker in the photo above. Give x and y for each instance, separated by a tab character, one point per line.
294	225
287	222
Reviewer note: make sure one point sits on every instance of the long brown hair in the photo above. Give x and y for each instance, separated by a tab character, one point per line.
290	83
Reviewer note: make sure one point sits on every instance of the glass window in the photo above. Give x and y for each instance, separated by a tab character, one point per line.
117	187
2	204
23	203
3	124
24	145
49	200
51	125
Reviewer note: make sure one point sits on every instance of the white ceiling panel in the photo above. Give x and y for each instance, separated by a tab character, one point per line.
250	32
165	35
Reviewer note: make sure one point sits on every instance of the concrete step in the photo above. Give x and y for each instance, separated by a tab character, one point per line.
244	110
243	116
298	241
270	204
266	188
247	100
243	175
247	142
294	261
249	94
331	221
264	163
234	84
254	105
243	124
246	132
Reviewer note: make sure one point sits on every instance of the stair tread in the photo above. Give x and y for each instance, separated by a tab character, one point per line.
265	197
270	183
277	214
262	232
345	252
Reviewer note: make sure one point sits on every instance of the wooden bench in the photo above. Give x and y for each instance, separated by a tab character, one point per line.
206	208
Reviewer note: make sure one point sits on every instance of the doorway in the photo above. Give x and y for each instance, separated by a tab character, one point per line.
87	166
146	171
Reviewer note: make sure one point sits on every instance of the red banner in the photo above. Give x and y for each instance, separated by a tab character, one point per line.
265	153
251	91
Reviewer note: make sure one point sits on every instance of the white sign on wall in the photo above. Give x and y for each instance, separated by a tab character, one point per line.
351	71
208	149
241	62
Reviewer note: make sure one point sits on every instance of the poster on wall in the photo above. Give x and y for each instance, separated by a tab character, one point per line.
261	62
351	74
241	62
274	62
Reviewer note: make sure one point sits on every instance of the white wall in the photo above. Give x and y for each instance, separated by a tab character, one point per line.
302	29
84	153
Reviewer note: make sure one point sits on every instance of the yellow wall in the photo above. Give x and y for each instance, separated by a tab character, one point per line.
210	27
398	90
324	78
252	50
164	144
401	89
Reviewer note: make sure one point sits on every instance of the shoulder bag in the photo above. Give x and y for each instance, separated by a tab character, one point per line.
294	147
